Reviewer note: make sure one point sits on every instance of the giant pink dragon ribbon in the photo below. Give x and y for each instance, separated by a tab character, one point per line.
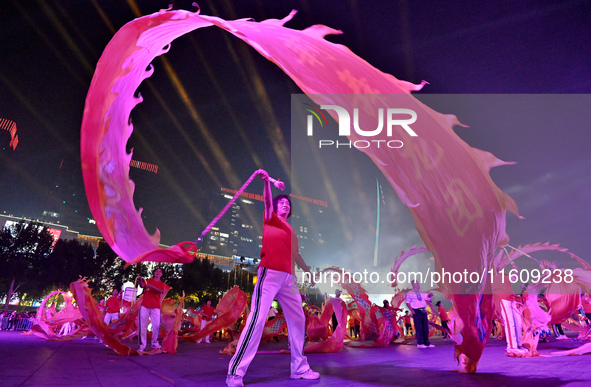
459	212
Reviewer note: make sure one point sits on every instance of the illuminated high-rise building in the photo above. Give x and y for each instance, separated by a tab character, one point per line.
66	201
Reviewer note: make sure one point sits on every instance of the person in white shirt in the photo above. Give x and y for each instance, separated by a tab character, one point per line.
417	303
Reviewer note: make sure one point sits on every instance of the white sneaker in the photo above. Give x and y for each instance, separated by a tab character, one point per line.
562	337
429	346
308	375
234	381
156	346
141	349
421	346
516	351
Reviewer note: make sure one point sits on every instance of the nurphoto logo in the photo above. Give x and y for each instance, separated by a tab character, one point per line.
364	125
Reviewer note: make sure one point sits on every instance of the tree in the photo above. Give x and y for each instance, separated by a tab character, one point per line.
112	272
201	279
241	277
69	261
22	249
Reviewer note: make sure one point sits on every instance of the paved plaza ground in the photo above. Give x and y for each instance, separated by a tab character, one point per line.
32	361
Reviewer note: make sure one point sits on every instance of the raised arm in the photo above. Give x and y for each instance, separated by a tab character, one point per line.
267	194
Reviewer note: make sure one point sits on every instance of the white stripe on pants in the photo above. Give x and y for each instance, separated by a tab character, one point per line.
512	318
154	315
272	284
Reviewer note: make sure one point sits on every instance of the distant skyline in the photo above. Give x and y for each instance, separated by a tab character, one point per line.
50	49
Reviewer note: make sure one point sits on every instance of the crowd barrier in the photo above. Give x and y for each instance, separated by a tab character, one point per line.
17	324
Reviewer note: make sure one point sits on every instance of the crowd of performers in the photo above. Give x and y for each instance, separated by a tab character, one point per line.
519	319
369	327
350	321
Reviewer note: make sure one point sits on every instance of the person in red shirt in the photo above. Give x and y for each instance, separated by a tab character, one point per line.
207	312
443	317
154	292
276	279
407	323
113	307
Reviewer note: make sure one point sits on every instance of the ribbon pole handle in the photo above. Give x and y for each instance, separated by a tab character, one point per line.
276	182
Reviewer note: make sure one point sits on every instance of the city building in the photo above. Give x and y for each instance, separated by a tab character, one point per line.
239	232
58	231
235	240
66	201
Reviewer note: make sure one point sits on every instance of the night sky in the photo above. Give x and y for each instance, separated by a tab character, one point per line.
49	50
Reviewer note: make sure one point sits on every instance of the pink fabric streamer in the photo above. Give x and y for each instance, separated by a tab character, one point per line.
459	212
334	342
503	259
229	308
49	322
403	257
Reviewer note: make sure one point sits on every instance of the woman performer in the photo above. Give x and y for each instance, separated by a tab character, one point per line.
113	307
207	312
154	292
276	279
